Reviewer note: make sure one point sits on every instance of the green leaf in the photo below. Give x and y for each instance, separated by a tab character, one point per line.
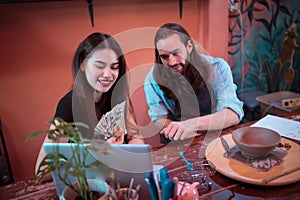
250	15
265	38
265	23
276	70
74	166
50	163
234	52
284	10
234	43
34	135
268	73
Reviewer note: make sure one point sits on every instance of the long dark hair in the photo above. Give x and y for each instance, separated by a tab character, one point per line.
193	73
84	107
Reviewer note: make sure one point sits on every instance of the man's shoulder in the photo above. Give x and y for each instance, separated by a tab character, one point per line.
211	59
150	76
216	63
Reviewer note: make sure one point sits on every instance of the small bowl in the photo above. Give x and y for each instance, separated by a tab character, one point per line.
255	141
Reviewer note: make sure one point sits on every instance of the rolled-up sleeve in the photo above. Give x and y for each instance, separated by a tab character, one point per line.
222	87
154	98
225	89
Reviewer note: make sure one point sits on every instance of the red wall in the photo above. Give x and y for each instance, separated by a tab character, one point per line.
38	41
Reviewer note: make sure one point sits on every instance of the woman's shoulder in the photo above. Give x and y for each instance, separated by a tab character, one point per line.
67	98
64	107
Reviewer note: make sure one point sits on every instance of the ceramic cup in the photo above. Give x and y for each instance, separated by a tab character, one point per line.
125	193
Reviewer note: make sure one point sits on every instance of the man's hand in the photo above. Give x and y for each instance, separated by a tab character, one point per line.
186	129
180	130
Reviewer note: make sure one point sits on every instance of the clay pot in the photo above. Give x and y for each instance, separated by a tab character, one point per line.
255	141
94	185
123	191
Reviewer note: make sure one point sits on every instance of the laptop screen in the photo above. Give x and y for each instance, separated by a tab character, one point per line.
127	161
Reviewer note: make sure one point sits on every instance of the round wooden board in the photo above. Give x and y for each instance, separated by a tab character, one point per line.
241	172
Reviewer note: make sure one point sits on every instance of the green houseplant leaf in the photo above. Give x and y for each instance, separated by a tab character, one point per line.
76	165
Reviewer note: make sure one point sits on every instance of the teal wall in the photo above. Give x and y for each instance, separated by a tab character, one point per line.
257	31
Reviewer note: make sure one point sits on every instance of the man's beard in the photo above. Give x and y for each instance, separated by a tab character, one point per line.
176	81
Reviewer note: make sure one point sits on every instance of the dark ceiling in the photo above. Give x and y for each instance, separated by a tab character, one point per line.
89	4
27	1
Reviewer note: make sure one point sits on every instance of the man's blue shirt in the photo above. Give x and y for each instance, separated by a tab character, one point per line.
220	84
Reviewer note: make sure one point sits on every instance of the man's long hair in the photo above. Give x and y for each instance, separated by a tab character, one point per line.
193	73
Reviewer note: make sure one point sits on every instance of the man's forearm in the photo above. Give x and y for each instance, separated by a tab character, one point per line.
219	120
162	123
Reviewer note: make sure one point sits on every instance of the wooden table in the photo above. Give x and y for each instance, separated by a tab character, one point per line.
224	187
194	150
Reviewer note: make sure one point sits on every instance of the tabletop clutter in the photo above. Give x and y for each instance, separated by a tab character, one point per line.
253	147
183	187
130	193
193	176
261	154
170	188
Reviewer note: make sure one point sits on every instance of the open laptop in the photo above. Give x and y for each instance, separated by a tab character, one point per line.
125	160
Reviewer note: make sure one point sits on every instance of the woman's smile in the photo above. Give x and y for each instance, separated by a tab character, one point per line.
105	82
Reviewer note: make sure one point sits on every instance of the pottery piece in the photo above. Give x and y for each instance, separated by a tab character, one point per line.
255	141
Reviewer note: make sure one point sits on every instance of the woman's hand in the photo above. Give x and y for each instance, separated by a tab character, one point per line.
117	138
136	141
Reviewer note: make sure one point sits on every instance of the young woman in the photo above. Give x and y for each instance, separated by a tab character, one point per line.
100	88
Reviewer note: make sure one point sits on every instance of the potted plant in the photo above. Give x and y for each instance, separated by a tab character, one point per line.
76	165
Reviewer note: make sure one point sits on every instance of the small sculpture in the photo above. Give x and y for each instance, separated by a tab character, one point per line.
288	47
